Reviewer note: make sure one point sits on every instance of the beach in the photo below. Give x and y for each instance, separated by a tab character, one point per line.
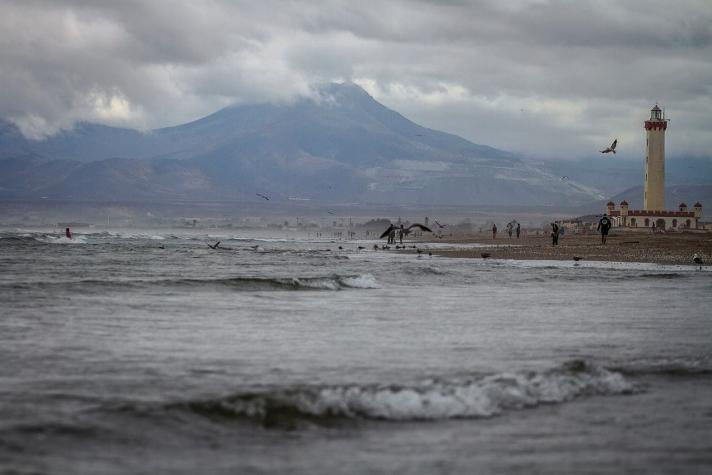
146	351
621	246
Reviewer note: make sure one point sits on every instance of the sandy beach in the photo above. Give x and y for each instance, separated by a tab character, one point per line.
622	246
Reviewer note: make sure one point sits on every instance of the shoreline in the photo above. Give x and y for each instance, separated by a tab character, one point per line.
670	248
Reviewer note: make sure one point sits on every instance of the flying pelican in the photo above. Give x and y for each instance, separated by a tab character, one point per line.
262	196
404	230
612	148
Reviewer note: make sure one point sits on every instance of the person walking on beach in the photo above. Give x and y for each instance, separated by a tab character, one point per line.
519	230
509	230
554	234
494	231
604	225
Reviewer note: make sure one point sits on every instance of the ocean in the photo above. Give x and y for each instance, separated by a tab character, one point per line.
145	352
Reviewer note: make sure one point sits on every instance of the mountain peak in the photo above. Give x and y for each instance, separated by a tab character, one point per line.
339	145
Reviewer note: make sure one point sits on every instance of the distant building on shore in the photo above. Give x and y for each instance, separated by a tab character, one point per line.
653	214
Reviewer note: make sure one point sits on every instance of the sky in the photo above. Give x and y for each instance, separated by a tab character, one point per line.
548	79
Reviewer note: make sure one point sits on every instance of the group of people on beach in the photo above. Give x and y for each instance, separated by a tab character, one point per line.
510	230
604	225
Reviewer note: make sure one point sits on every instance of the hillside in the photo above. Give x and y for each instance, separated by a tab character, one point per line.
339	146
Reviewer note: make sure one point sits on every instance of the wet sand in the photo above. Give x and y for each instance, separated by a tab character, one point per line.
621	246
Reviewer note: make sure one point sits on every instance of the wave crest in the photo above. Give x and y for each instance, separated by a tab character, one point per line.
431	400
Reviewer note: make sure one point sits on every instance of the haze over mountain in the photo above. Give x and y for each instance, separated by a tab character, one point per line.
339	146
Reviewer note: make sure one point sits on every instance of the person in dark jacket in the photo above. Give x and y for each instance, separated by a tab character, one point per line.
604	225
554	234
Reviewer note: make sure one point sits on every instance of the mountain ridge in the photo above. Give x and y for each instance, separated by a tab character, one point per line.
340	146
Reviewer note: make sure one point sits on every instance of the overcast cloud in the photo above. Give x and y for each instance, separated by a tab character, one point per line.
546	78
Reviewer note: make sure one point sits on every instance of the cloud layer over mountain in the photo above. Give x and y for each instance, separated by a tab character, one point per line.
541	77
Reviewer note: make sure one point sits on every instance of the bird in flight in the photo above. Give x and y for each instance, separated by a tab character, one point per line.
564	178
440	225
405	230
612	148
262	196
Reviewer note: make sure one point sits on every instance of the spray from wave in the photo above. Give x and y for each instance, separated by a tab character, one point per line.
429	400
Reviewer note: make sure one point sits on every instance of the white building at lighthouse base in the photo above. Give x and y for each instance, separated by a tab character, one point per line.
661	220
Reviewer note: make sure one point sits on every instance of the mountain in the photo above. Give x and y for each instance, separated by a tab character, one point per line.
338	146
674	195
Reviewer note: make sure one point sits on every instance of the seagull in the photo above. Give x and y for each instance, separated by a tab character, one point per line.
565	177
697	260
262	196
330	212
612	148
214	246
485	255
440	225
406	231
577	258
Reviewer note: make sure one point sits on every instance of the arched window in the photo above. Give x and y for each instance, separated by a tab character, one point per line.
633	223
688	223
647	222
674	223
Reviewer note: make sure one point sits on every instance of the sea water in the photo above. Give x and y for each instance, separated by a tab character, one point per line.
149	352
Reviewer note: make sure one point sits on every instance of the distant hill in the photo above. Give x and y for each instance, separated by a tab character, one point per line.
674	195
340	146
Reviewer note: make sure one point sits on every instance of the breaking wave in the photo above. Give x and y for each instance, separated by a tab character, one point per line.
332	282
485	396
49	239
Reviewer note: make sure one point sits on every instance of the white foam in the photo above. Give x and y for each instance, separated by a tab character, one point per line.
63	239
439	399
364	281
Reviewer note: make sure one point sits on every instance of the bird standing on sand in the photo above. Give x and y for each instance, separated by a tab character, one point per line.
612	148
698	260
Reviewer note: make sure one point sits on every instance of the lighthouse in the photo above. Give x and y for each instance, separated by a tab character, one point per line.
654	215
654	190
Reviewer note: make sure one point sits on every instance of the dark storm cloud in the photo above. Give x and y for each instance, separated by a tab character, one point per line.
542	77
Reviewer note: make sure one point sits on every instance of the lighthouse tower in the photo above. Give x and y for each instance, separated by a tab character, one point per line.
654	194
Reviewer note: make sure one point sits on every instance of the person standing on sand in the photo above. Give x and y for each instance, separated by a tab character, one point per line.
604	225
554	234
509	230
519	230
494	231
